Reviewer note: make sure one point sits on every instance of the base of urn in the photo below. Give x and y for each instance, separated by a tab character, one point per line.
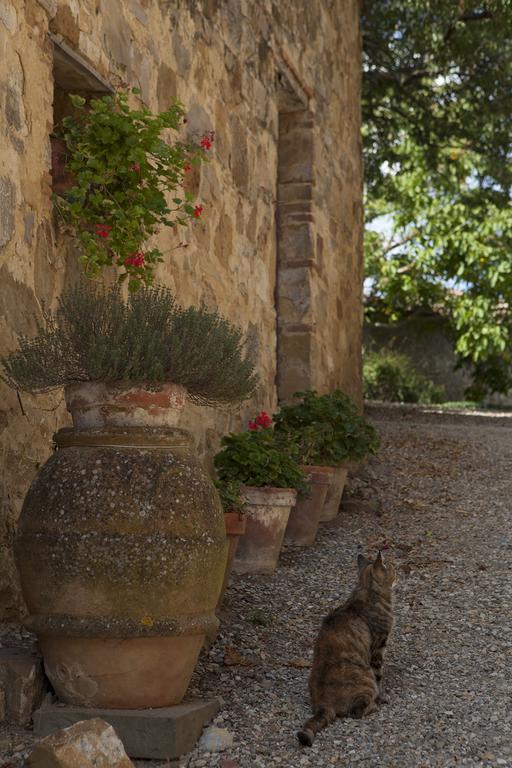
133	673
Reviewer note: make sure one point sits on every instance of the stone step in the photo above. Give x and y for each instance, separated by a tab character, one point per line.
166	733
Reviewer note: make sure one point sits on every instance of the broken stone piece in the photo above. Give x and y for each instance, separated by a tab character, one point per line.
22	685
87	744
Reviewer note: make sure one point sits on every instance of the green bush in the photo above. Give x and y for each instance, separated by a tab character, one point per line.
95	335
325	429
230	497
257	458
391	376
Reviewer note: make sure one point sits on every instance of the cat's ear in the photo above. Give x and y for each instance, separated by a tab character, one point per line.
362	562
379	562
379	569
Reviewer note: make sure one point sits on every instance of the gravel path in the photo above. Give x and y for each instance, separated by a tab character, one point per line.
439	495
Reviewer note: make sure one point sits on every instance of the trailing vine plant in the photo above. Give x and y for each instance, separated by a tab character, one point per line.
125	173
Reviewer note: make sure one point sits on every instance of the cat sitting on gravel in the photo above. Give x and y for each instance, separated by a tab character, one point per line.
346	675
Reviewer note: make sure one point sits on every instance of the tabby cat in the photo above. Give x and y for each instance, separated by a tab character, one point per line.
345	679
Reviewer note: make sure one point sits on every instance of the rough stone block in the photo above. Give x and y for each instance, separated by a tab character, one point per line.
7	207
87	744
165	733
22	684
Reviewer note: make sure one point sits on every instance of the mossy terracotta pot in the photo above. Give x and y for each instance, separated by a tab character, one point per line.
305	515
235	527
334	494
122	552
267	511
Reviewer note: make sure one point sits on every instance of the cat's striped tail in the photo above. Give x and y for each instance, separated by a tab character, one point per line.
320	720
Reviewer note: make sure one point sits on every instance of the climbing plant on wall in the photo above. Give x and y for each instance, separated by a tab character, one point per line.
128	182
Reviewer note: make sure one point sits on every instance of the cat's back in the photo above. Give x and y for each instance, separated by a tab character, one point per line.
344	634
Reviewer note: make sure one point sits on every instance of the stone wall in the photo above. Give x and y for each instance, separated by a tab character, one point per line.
279	83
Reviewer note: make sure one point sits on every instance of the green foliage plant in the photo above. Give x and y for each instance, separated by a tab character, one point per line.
257	458
325	429
230	496
96	335
125	176
391	376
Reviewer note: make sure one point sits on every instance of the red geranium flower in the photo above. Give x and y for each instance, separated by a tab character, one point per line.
198	211
253	426
207	140
263	420
135	167
103	230
187	168
135	260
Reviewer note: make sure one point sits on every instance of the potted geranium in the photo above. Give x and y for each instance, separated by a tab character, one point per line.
119	179
326	431
270	479
233	506
121	544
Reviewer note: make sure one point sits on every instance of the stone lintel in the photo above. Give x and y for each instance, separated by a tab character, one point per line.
73	72
164	733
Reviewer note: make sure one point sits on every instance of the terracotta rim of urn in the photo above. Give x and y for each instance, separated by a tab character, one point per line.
120	404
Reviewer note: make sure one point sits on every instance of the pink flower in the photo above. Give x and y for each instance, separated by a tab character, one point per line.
135	167
135	260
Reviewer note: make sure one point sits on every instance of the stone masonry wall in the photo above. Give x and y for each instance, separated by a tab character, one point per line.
242	68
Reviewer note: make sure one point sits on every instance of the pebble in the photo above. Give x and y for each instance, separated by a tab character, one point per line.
215	739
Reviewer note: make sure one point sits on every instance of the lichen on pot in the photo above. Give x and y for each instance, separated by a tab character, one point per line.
121	538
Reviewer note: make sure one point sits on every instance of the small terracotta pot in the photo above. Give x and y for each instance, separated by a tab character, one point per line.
96	404
334	494
267	511
235	527
305	515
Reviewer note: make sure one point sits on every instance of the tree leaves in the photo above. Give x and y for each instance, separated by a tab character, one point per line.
436	103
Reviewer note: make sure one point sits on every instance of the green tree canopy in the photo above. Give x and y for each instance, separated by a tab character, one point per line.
437	106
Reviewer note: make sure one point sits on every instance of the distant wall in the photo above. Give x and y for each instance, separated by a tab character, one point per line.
427	342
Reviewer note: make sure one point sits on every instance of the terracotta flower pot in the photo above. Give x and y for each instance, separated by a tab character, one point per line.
266	511
305	515
235	527
334	494
122	551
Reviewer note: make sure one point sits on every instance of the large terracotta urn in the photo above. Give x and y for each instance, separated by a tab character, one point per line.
122	551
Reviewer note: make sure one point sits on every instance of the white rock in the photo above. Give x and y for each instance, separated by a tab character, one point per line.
215	739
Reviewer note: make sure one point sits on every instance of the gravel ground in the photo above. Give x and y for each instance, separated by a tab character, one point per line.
439	497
